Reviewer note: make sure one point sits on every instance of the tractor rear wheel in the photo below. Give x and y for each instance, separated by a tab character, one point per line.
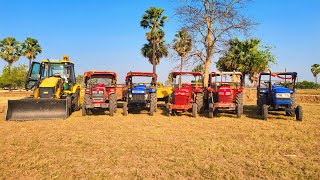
84	110
261	101
299	113
153	99
194	110
293	105
125	109
112	104
239	101
76	101
264	112
199	101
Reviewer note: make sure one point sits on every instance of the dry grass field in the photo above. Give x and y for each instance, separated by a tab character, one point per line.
179	147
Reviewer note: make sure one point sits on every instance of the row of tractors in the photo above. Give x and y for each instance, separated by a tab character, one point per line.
56	93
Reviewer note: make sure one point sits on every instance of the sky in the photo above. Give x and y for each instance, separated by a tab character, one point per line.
106	34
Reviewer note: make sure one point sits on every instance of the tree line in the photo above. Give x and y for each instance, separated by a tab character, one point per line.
10	51
210	30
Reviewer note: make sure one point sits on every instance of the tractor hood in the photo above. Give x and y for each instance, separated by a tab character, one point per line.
49	82
280	89
139	89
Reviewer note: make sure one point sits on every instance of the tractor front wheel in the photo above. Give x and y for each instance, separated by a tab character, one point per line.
125	109
211	110
264	112
168	113
299	113
239	111
84	110
194	110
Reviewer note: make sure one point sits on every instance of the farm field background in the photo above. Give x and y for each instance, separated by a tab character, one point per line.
139	146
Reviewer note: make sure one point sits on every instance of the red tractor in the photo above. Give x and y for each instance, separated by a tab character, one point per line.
100	92
225	92
186	96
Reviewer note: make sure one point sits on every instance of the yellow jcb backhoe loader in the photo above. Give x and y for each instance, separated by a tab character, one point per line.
55	92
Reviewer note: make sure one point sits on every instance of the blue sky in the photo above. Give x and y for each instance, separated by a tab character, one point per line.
105	34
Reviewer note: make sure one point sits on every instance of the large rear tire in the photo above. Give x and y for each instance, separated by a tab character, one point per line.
153	99
264	112
239	101
194	110
76	101
125	109
299	113
112	104
293	105
199	102
261	101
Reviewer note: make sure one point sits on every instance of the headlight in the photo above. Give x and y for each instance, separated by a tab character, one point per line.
282	95
130	95
138	92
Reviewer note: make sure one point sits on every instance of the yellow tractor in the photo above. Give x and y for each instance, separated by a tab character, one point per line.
55	92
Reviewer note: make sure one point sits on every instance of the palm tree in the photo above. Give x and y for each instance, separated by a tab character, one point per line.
30	49
154	20
315	69
10	51
161	51
182	45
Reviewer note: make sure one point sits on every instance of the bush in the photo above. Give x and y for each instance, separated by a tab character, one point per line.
307	85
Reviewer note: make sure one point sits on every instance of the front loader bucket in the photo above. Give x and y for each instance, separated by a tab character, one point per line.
37	108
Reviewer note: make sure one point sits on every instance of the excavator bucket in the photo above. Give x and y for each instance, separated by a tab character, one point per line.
37	109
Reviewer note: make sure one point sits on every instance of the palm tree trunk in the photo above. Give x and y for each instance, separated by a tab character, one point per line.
30	61
243	80
154	56
180	77
9	73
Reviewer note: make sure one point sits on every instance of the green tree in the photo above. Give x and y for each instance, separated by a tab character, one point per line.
18	80
10	51
80	79
154	20
315	69
247	57
198	68
182	45
161	51
30	49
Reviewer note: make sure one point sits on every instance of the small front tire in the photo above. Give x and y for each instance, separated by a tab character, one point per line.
264	112
299	113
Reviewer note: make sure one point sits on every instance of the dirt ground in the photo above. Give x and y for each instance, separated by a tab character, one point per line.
178	147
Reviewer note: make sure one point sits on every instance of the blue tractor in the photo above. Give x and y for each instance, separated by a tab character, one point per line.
277	92
141	92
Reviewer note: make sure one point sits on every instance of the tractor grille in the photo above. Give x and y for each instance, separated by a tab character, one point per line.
180	100
98	97
138	97
46	92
